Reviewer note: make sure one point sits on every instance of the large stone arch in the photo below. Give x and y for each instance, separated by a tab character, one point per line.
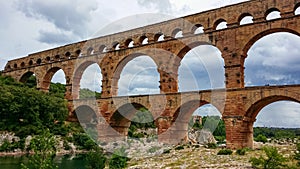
178	121
45	82
255	108
193	48
120	120
77	75
25	76
264	33
122	63
86	115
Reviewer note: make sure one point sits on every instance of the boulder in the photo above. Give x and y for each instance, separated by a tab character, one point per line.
202	137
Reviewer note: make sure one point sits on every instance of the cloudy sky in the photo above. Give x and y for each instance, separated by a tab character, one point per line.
31	26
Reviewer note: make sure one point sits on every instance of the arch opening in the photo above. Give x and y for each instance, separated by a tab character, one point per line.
177	33
133	120
275	117
199	122
88	120
246	20
272	14
90	51
202	67
198	29
144	40
220	24
129	43
29	79
297	9
159	37
137	74
102	49
273	60
116	46
54	81
90	81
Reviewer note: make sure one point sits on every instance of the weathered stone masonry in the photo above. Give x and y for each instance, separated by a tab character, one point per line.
238	105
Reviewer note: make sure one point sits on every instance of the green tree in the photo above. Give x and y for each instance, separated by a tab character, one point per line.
119	159
25	110
273	159
43	147
95	158
261	138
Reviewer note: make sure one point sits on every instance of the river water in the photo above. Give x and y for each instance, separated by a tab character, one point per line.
63	162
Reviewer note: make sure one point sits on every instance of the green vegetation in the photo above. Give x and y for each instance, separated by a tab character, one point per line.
26	111
96	159
297	154
225	152
87	93
44	150
118	159
242	151
277	133
143	119
261	138
272	160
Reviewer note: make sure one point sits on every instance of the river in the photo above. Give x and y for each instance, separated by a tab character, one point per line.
63	162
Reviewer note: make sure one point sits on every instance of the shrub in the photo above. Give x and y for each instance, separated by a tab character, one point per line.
96	158
180	147
297	154
261	138
241	151
211	145
273	159
119	159
225	152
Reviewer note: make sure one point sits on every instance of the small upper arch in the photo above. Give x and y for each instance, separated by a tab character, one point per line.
220	24
197	29
143	40
102	49
159	37
177	33
90	51
129	43
245	18
272	13
116	45
297	9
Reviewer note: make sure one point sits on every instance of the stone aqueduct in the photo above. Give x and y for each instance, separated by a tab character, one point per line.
239	105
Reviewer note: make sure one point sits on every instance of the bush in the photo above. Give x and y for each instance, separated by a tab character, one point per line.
273	159
241	151
211	145
261	138
118	159
96	159
297	154
180	147
225	152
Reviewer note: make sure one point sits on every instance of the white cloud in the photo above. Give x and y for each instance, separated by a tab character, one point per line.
279	114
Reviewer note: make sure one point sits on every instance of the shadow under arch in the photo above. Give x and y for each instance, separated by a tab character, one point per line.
264	33
121	119
121	65
87	117
24	78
